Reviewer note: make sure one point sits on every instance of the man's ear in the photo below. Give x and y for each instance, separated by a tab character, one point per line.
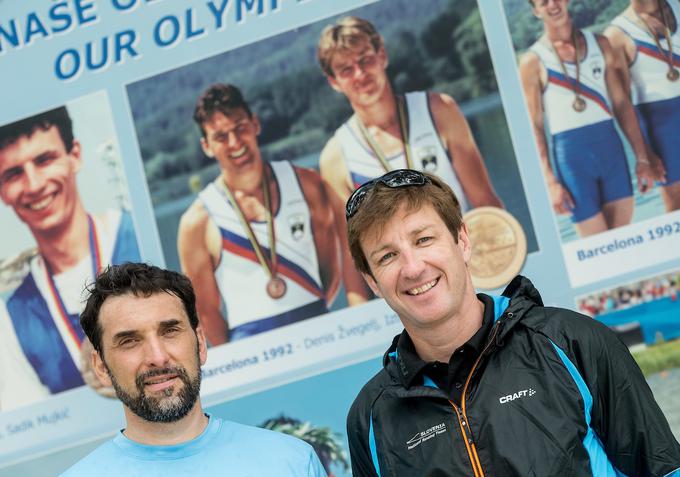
372	283
464	243
206	148
258	126
334	83
382	55
75	154
100	369
202	345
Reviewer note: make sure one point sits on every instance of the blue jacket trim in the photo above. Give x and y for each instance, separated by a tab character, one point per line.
372	446
599	462
500	304
427	381
674	473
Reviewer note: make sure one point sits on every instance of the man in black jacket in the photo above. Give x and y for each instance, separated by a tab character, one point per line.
484	385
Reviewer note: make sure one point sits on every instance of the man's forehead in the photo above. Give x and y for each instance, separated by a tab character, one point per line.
38	141
219	119
130	311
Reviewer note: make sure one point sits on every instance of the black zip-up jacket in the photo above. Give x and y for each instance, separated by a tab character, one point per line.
554	393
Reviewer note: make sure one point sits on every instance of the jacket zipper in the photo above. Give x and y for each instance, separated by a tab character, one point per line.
462	416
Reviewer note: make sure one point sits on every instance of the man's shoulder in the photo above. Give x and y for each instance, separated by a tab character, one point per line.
14	270
369	395
194	217
265	450
246	437
101	462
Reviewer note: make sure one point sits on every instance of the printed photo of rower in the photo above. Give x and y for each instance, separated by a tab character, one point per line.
432	80
601	157
66	216
269	231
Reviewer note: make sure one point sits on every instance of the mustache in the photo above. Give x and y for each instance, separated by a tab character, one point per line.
176	370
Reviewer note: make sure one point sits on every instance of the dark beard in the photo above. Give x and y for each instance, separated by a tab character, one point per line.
167	408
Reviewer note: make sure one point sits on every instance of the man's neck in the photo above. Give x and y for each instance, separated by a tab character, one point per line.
380	114
62	248
439	343
561	33
166	433
650	7
250	197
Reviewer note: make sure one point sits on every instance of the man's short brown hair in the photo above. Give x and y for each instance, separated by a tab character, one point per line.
382	203
348	34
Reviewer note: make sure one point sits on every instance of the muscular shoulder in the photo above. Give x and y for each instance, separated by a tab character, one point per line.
312	186
194	219
330	152
442	105
604	44
330	160
529	62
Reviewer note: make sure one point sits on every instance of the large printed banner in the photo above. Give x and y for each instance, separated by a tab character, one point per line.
221	138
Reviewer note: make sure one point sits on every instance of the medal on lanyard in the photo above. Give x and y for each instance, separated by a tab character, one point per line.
276	286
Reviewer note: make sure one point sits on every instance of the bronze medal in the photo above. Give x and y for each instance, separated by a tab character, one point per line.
276	287
579	104
673	74
499	246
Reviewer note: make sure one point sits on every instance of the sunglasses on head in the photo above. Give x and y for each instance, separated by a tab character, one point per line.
393	180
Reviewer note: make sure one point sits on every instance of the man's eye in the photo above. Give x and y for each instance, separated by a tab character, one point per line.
423	240
45	159
10	175
386	257
128	342
367	60
171	331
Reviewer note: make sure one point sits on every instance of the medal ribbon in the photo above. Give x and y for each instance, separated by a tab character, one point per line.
667	36
269	266
403	129
95	254
576	86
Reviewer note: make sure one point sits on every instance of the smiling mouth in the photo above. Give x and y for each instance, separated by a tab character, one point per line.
423	288
160	379
40	204
238	154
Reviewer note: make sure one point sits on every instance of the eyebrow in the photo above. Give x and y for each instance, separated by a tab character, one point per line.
412	233
227	131
163	325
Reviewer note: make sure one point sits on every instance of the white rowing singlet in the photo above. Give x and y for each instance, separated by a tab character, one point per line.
558	93
649	68
429	154
240	277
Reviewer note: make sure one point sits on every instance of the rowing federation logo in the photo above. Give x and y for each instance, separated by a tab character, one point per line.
596	69
427	156
426	435
296	222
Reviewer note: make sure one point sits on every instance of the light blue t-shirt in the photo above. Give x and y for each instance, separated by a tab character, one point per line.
224	448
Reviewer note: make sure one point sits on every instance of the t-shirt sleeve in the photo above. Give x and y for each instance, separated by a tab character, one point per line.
315	467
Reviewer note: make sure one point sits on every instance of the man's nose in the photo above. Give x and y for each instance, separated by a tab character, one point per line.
34	179
234	140
156	353
412	265
358	70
